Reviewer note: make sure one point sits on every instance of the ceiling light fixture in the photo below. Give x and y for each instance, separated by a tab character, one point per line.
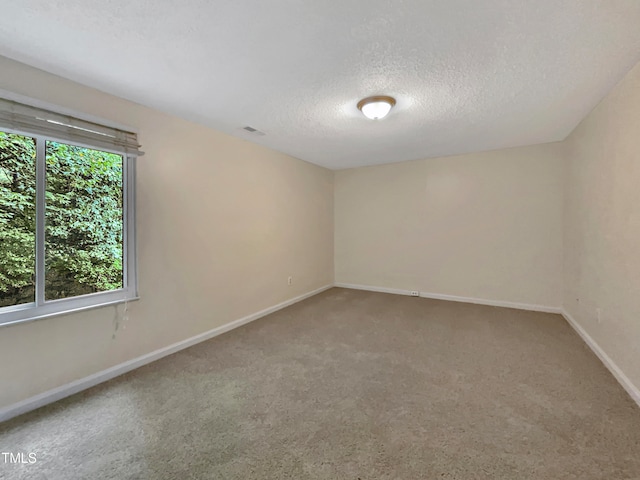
376	107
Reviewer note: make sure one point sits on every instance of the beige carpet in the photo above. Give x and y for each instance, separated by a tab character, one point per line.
350	385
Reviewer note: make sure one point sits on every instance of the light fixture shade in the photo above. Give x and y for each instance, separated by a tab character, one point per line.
376	107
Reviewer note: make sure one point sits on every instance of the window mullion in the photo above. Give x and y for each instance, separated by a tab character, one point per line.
131	228
125	217
41	180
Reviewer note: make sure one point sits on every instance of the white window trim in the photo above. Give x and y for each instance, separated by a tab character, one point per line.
42	308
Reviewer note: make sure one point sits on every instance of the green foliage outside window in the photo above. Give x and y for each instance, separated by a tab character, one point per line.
83	220
17	219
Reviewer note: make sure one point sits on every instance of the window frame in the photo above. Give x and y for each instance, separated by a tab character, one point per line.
42	308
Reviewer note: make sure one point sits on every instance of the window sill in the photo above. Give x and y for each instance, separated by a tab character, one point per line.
30	314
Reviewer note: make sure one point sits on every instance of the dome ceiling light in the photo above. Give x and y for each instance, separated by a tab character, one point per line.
376	107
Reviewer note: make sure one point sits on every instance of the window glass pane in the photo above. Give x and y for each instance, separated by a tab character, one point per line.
83	221
17	219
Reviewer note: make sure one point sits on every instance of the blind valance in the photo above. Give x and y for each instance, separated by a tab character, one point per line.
38	121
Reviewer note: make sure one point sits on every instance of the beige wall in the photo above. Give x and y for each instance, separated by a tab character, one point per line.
485	225
602	226
222	223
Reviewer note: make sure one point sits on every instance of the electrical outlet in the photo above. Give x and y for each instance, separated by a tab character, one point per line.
415	293
289	280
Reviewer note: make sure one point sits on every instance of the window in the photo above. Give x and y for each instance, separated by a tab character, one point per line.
67	227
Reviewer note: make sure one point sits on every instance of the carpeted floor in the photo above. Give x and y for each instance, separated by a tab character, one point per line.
350	385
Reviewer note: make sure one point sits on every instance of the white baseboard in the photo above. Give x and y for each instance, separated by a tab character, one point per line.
453	298
627	384
369	288
494	303
76	386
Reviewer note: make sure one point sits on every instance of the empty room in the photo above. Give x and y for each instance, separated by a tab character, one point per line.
355	240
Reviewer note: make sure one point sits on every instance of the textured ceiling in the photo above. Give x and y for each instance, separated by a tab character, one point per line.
468	75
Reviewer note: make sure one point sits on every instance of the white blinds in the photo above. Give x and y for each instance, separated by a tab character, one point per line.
17	116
